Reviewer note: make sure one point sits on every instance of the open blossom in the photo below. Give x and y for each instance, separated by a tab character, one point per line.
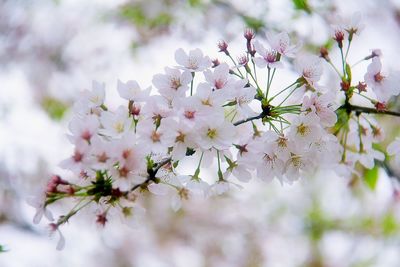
189	111
115	124
243	95
157	107
83	128
91	99
219	78
269	58
383	86
38	202
132	91
181	136
101	153
281	43
80	159
154	139
352	25
270	165
96	95
193	62
322	106
310	68
173	83
394	150
215	134
211	98
299	162
61	240
305	129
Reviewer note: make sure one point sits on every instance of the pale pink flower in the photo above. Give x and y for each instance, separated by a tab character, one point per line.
80	159
115	124
269	58
394	150
189	110
193	62
220	187
132	91
39	203
269	165
305	129
83	128
154	139
368	156
243	96
96	95
215	134
101	153
383	86
182	136
91	101
173	83
310	68
299	162
157	107
281	43
322	106
198	187
61	241
219	79
209	97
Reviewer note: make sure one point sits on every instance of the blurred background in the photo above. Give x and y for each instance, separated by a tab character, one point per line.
50	50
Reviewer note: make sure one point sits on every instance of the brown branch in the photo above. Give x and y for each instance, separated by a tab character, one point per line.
369	110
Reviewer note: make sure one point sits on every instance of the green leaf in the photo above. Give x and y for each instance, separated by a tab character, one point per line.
389	224
348	71
302	5
342	120
2	249
371	177
253	23
195	3
134	14
162	19
54	108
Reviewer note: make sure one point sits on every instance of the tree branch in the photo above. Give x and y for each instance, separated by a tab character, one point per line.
369	110
260	116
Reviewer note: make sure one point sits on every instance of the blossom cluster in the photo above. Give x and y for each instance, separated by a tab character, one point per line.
222	119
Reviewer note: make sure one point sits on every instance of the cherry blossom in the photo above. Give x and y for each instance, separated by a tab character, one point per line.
281	43
394	149
132	91
269	58
383	86
193	62
173	83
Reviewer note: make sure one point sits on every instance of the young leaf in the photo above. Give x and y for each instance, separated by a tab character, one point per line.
371	177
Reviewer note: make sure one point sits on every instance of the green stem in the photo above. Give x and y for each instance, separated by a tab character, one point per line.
235	64
220	176
197	172
283	90
191	84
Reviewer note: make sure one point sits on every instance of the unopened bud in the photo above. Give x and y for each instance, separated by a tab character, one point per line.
324	53
223	47
243	60
215	63
248	34
380	106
